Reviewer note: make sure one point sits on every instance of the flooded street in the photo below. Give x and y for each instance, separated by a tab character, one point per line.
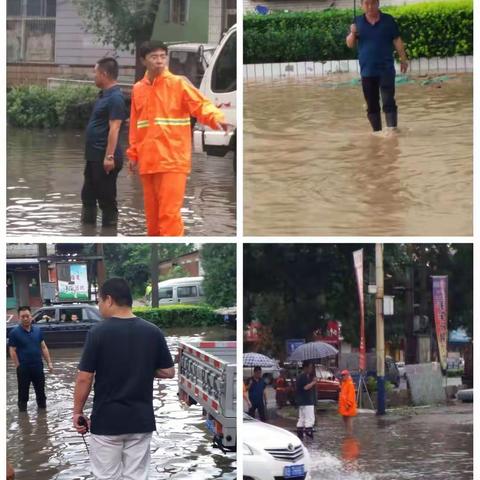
45	446
45	177
312	166
434	443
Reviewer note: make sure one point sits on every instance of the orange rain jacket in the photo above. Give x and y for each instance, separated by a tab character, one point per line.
347	404
160	132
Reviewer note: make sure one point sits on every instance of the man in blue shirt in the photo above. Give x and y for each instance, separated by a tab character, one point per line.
257	394
26	347
377	35
103	154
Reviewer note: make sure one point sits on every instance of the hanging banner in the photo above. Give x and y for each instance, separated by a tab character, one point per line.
72	280
358	263
440	312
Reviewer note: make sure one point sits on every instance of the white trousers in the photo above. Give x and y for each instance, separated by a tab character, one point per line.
120	457
306	416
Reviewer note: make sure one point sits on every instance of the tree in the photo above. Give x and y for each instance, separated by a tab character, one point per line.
220	279
122	23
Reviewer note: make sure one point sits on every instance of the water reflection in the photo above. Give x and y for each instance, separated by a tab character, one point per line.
45	175
45	446
312	167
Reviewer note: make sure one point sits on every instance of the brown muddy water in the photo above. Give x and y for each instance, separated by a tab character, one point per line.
45	446
434	443
45	177
312	166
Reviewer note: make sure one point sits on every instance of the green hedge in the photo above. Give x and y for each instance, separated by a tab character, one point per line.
433	29
170	316
34	106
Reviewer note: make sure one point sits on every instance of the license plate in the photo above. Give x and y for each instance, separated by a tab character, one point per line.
293	471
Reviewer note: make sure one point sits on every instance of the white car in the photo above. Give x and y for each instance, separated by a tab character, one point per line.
271	452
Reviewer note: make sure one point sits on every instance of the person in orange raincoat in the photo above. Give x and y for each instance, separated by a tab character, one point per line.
160	137
347	403
281	390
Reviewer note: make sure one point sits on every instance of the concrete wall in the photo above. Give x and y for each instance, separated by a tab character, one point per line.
74	46
426	383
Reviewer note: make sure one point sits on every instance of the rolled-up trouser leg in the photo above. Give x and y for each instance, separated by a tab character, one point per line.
371	93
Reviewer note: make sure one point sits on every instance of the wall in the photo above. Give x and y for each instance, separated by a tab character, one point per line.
194	30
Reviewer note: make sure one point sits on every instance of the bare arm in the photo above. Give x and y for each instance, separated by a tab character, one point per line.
400	48
352	36
46	355
165	372
83	386
13	356
114	129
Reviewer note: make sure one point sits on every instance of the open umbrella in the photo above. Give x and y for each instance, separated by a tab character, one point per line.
312	350
253	359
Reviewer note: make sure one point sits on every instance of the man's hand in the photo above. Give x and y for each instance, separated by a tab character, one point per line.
80	428
133	167
404	65
353	29
108	164
226	127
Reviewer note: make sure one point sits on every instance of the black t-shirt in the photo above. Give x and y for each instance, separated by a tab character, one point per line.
305	397
124	354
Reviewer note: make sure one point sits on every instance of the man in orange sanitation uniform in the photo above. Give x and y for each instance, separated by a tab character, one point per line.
160	137
347	404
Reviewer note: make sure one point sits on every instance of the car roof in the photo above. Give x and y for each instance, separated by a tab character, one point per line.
66	305
180	281
191	47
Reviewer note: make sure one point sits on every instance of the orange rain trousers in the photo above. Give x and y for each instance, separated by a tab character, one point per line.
163	195
347	403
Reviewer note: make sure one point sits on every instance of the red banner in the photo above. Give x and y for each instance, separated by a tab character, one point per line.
358	263
440	312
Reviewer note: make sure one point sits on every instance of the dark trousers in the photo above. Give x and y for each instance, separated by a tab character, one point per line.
100	187
261	411
26	375
373	87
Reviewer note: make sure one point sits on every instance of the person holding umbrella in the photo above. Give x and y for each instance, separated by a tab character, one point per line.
306	396
347	404
377	35
257	395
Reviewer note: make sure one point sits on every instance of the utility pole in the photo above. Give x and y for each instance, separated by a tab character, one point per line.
380	330
154	273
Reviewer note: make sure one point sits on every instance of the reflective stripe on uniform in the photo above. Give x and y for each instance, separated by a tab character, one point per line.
171	121
142	123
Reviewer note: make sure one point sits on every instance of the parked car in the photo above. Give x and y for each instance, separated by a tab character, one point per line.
181	290
271	453
64	325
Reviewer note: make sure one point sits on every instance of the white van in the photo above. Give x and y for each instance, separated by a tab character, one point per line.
181	290
219	84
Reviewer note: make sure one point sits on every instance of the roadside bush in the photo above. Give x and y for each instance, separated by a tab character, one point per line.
35	106
372	385
433	29
170	316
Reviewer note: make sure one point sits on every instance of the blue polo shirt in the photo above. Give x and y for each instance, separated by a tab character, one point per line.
255	391
375	45
110	105
28	347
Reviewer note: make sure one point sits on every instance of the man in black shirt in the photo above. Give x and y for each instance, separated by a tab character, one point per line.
124	354
306	385
102	151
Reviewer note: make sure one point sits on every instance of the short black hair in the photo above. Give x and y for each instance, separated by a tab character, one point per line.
257	369
110	66
118	290
25	307
150	46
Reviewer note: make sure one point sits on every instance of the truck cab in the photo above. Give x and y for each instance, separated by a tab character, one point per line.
219	84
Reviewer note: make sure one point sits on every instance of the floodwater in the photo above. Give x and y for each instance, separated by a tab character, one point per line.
313	167
435	443
45	177
44	446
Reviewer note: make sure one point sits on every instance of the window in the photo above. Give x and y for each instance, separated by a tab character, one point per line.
71	315
44	316
31	30
10	287
224	75
229	13
165	293
177	11
186	292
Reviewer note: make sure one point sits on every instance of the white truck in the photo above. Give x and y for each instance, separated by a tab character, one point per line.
219	84
207	373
